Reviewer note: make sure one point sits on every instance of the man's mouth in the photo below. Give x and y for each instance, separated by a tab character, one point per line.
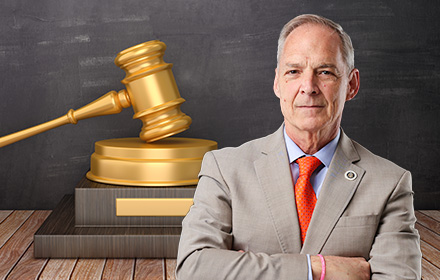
310	106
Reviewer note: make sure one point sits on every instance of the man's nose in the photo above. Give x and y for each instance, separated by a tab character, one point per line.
309	83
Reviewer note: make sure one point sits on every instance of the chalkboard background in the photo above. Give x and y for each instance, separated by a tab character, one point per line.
58	54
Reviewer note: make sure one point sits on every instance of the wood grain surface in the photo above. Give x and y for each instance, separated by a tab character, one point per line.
58	269
28	267
4	214
17	261
149	269
118	269
12	224
16	246
88	269
428	225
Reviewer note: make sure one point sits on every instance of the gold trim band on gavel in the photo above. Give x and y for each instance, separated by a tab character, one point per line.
150	89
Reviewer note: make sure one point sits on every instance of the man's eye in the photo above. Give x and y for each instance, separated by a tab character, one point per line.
325	72
291	72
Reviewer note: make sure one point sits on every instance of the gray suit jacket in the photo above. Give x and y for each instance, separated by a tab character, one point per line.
245	201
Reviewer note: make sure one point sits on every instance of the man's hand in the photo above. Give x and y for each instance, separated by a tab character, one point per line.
340	268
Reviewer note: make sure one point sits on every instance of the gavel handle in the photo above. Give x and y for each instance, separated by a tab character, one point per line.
111	103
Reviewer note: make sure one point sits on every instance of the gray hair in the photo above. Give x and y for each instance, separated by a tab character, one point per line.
346	48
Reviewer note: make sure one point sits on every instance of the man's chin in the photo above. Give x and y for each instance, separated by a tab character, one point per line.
305	128
311	125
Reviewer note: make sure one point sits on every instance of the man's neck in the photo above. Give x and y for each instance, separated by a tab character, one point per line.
311	142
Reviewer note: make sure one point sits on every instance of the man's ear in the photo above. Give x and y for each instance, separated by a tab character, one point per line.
275	84
353	84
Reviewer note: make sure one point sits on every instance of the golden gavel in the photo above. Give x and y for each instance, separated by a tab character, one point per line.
150	89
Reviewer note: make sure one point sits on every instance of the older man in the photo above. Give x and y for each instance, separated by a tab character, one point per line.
306	202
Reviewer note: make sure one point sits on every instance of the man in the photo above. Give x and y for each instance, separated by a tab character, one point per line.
306	202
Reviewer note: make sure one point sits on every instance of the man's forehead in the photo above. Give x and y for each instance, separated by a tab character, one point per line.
316	61
312	43
313	36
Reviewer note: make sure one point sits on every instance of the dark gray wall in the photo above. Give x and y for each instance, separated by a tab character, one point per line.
58	54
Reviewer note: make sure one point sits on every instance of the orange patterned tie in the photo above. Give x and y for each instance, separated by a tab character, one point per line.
305	197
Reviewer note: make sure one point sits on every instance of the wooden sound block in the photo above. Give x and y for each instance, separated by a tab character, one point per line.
59	238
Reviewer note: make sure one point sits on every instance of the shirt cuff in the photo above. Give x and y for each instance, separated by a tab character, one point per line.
309	275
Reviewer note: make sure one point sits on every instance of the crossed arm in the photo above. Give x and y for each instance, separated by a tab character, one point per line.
207	249
206	252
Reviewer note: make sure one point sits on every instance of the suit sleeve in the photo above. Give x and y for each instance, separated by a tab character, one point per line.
205	248
395	253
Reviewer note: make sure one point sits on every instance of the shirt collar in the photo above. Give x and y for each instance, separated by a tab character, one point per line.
325	154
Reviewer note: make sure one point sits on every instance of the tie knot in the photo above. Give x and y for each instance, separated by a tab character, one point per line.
307	165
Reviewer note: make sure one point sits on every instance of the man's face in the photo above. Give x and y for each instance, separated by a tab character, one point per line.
312	81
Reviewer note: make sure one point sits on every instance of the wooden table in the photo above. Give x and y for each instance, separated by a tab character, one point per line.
17	262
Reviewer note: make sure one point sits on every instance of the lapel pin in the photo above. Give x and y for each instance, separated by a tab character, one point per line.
350	175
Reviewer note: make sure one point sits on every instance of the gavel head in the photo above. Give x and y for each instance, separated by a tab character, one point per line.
152	90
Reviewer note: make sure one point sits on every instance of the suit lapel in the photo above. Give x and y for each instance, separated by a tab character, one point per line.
336	193
273	172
